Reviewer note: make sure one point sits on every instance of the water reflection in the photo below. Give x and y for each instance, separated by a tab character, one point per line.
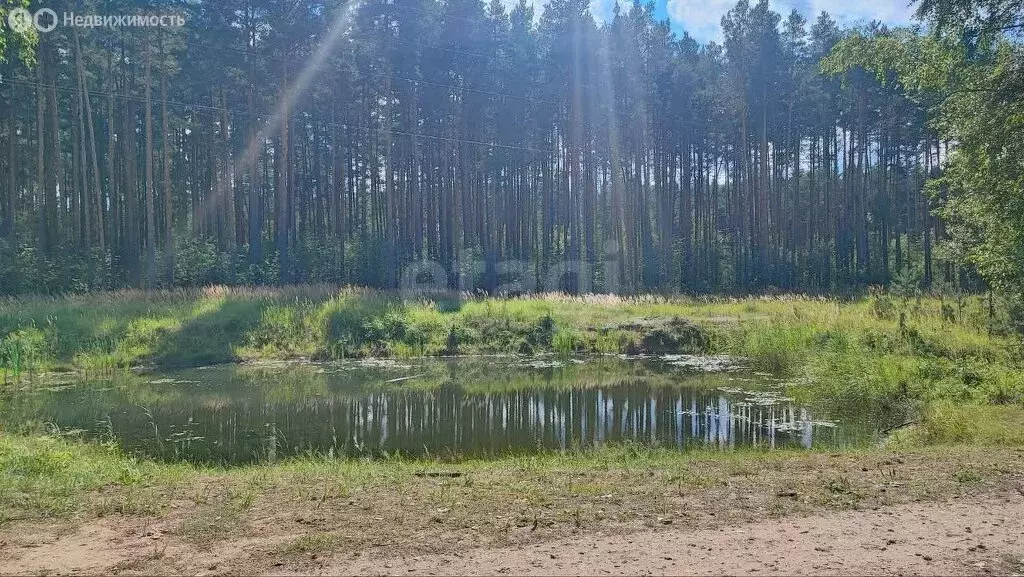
236	415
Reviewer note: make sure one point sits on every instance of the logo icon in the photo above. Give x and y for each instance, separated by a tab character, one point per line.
20	20
45	20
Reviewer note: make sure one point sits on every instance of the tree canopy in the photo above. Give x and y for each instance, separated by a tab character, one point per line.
970	67
271	141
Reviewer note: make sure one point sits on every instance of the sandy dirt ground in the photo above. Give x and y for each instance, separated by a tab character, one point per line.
969	535
955	538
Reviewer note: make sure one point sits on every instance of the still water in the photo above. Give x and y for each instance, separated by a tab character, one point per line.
443	408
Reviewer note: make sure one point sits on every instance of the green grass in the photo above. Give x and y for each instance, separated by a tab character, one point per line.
52	478
197	327
48	477
945	422
209	523
200	327
312	543
879	349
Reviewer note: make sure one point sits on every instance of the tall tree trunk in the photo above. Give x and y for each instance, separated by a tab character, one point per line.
42	237
226	192
283	184
167	189
150	199
8	220
255	201
57	189
93	156
112	187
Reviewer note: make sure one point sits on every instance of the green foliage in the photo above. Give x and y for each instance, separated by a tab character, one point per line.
883	306
197	262
946	422
22	350
23	269
545	330
674	336
907	283
973	75
567	341
781	349
22	44
48	477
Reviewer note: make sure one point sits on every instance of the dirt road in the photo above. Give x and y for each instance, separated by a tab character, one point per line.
965	536
954	538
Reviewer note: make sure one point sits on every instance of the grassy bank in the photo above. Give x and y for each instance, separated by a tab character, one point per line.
331	504
878	347
191	328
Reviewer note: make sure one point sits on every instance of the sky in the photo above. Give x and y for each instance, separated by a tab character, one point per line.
701	18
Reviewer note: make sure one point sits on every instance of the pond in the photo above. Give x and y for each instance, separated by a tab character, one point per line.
443	408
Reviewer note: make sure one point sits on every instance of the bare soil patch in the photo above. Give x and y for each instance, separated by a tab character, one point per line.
956	537
946	510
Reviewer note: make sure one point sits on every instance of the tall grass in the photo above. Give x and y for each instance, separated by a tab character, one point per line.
192	327
946	422
879	348
22	350
50	477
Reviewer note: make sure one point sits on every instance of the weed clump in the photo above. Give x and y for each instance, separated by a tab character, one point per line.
675	336
21	351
